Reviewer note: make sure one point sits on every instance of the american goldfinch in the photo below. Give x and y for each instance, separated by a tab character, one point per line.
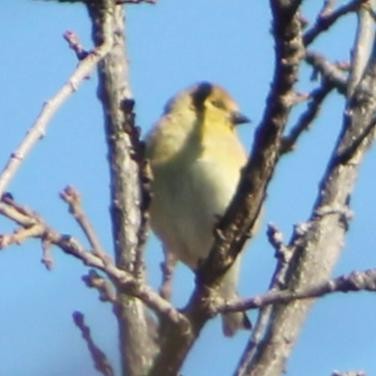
196	159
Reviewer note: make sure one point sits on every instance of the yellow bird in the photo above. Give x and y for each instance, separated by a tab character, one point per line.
196	159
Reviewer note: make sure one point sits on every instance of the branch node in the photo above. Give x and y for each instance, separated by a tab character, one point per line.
102	285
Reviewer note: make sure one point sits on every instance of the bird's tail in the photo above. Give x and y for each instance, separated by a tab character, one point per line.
232	322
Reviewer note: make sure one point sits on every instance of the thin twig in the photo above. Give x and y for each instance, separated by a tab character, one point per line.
75	44
317	97
38	129
71	196
349	373
103	285
327	7
365	34
283	254
328	17
32	225
330	72
275	238
20	234
355	281
99	358
119	2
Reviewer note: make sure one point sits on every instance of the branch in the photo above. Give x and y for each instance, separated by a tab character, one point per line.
126	165
303	124
72	197
327	18
102	285
236	226
38	129
365	35
75	44
32	225
356	281
283	254
317	246
349	373
99	358
330	72
137	152
136	2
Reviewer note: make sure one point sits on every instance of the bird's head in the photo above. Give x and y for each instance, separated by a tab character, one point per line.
208	101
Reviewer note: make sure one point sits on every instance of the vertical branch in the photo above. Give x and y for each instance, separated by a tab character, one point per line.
236	225
126	197
317	245
363	41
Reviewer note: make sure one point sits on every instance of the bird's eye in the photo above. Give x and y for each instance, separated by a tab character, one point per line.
217	103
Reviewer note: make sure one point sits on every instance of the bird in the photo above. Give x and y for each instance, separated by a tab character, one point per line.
196	158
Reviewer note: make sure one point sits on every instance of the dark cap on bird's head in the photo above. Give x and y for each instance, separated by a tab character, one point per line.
200	93
219	98
204	95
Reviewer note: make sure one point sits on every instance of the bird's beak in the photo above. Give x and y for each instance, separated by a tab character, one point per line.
239	118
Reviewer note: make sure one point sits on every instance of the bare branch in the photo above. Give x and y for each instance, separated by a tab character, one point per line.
331	73
38	129
99	358
275	238
20	235
365	34
349	373
328	17
356	281
317	98
126	183
136	2
144	177
236	226
72	197
105	288
75	44
321	241
32	225
327	7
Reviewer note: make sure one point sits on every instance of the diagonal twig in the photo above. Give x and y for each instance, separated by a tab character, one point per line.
75	44
32	225
102	285
38	129
119	2
71	196
330	72
317	97
99	358
355	281
328	17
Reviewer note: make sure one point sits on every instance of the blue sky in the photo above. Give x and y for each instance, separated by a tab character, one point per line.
171	45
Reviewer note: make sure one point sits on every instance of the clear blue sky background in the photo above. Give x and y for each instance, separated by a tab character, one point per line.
171	45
